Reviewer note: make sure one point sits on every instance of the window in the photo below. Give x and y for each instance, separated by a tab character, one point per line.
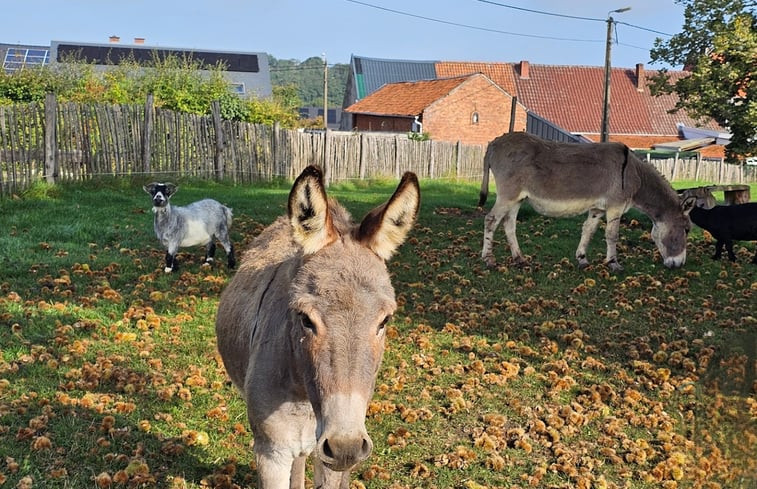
474	118
238	88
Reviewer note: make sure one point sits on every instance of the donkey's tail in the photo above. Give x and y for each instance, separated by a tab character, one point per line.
484	182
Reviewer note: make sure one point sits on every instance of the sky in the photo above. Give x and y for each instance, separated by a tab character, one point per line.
443	30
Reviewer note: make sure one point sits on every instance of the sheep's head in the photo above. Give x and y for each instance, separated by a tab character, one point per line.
160	192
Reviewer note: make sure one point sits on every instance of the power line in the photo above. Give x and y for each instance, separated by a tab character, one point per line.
518	34
644	28
542	12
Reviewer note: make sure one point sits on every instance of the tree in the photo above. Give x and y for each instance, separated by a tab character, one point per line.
718	46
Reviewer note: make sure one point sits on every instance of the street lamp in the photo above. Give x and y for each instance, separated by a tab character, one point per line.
605	131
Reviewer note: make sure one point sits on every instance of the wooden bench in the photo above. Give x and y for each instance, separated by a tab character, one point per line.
733	194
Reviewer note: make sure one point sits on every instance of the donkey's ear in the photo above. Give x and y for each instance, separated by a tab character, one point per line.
308	211
385	228
687	204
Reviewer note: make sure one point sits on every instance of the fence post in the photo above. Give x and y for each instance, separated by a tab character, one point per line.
326	148
458	158
397	157
362	157
675	167
431	162
215	108
699	163
146	133
51	149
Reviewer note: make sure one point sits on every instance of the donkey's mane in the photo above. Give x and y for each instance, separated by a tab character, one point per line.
654	190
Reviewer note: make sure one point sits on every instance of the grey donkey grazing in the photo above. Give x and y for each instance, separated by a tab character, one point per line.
199	223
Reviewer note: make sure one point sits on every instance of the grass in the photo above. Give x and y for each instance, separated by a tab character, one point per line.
544	376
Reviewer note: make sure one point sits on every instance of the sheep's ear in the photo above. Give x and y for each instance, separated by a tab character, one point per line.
687	204
171	189
385	228
308	211
149	188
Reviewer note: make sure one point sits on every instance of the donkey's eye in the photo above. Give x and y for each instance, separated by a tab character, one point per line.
383	324
307	323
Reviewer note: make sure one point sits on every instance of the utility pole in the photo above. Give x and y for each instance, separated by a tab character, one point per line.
325	93
605	129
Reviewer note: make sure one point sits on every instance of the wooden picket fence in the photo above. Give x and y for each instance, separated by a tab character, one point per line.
74	141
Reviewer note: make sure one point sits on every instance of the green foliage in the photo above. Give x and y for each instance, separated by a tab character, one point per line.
177	83
418	136
307	77
718	44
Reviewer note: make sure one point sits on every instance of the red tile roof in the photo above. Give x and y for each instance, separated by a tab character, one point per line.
572	96
500	73
405	98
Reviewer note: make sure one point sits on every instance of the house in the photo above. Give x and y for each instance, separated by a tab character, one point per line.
466	108
247	72
562	102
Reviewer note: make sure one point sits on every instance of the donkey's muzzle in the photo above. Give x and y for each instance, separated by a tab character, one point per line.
341	453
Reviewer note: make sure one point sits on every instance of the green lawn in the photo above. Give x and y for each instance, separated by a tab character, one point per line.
543	376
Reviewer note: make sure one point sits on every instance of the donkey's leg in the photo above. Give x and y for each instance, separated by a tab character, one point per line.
275	470
587	231
297	476
611	236
511	219
491	222
325	477
210	251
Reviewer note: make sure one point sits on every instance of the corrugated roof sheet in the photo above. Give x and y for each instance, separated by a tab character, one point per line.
373	73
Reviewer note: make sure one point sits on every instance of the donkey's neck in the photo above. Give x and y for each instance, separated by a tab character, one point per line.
655	196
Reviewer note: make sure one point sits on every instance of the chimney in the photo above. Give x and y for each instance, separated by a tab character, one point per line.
524	69
114	39
139	40
641	80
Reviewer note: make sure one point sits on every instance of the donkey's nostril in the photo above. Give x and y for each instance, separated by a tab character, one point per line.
327	449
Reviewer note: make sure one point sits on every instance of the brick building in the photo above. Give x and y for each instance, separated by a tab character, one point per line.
470	108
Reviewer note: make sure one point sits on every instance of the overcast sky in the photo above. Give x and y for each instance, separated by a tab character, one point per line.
561	33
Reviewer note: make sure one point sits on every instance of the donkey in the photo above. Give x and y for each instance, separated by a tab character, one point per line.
199	223
301	330
566	179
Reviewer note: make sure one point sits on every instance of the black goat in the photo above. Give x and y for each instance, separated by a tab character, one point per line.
728	223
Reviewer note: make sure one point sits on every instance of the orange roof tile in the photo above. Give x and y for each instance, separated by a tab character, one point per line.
405	98
499	73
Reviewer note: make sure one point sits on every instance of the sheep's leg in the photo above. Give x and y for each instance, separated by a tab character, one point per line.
223	237
718	250
210	251
729	249
171	262
232	262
